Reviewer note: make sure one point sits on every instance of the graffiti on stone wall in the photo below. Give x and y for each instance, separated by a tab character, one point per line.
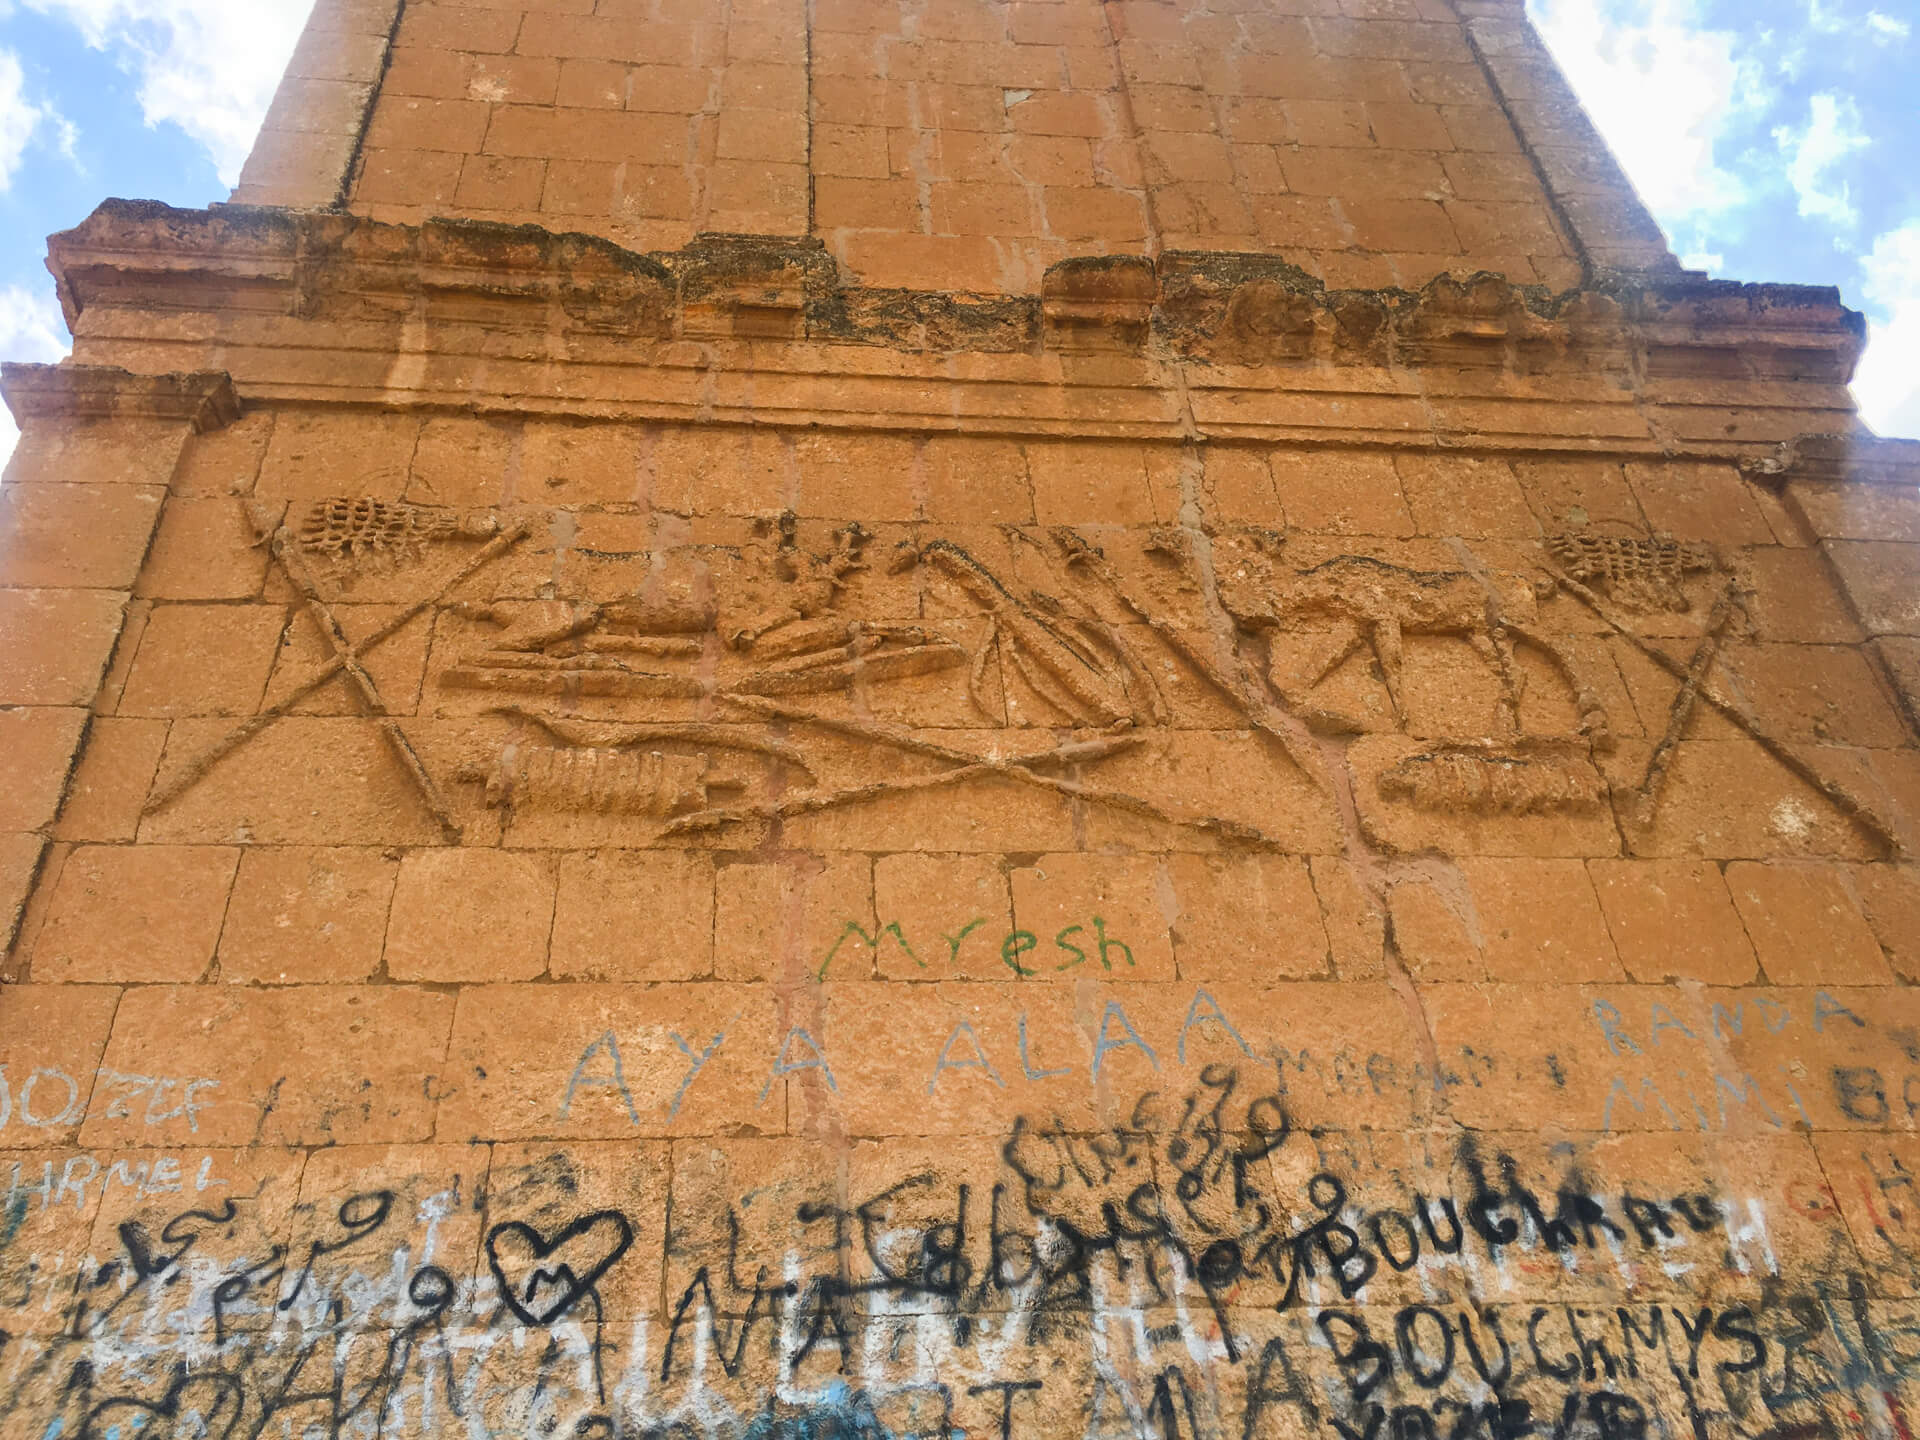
1200	1268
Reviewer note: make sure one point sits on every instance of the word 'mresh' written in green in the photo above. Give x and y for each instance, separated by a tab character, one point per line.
1022	951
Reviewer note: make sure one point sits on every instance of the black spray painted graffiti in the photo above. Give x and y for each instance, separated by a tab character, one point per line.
1301	1308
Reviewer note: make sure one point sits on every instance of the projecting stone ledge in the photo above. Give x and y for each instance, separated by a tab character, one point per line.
205	399
1206	306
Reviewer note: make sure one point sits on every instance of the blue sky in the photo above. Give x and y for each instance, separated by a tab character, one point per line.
1775	139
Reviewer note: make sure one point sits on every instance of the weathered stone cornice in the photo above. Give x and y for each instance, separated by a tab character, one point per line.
1861	459
1236	309
205	400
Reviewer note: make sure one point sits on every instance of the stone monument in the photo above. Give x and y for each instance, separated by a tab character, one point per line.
861	719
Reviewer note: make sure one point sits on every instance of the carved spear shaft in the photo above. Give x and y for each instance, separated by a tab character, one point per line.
1843	799
196	768
287	551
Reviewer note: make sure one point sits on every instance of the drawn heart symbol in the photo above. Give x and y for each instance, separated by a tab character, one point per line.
542	1279
216	1415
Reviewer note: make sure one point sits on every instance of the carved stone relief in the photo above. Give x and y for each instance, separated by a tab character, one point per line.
785	678
1620	579
1636	572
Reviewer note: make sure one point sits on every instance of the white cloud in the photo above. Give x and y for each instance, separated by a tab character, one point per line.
1887	384
1833	132
208	66
30	329
1876	26
1662	87
20	118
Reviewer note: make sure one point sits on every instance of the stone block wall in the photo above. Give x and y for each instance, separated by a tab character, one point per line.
963	145
808	893
1053	794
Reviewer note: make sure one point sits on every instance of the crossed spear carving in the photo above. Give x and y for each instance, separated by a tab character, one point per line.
284	545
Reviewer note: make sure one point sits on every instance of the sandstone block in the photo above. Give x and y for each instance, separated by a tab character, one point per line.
1860	1172
1878	577
1461	496
578	464
1805	926
109	785
1699	502
416	1206
313	916
1730	800
85	536
619	1061
634	915
872	478
225	462
1076	212
1090	484
1795	598
98	452
965	262
311	453
954	912
1248	919
186	1192
301	781
460	462
496	182
1822	693
397	665
801	917
1341	493
57	644
203	660
1901	658
1673	920
1108	917
854	151
1857	512
204	550
1571	494
1434	932
135	913
1397	223
38	746
1356	924
470	914
977	481
459	27
610	1198
19	864
1541	921
877	204
306	1065
51	1039
53	1204
1890	896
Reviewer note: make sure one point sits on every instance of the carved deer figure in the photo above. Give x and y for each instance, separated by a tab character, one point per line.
1374	604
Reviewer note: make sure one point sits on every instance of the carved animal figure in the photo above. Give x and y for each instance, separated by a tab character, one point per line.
347	533
1373	604
600	779
1640	573
1489	784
